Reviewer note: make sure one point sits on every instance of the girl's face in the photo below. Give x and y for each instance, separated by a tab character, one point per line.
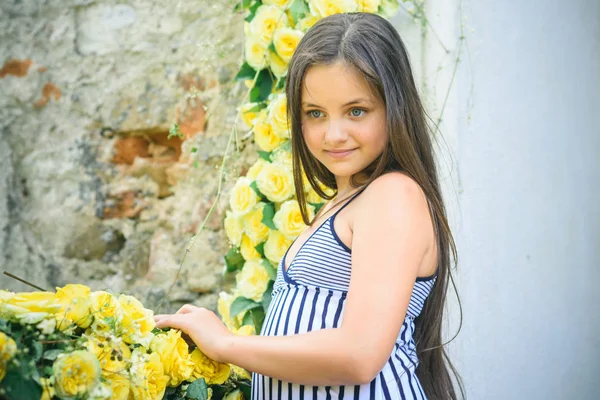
343	121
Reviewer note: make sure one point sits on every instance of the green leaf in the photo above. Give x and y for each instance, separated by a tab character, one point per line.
254	187
242	304
219	391
245	72
258	317
198	390
252	12
287	145
52	354
174	131
246	390
248	320
272	48
317	206
242	5
265	155
194	149
19	386
264	85
257	107
234	260
268	214
298	10
280	84
270	270
260	248
38	349
255	94
266	300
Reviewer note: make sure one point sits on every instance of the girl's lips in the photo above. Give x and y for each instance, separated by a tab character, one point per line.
339	154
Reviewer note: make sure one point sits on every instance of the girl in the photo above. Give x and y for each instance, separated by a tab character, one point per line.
358	300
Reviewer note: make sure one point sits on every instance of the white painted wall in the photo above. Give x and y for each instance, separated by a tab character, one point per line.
523	127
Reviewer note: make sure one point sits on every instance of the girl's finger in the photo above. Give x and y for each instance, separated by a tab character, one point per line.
186	309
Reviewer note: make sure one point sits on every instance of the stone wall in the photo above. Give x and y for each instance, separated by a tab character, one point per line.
92	190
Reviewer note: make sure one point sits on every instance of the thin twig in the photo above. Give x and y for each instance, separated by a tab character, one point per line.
25	282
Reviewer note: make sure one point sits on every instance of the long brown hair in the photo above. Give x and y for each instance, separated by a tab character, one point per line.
371	45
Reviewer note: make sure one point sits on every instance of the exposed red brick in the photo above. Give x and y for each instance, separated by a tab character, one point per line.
128	148
125	205
166	150
192	82
42	69
192	119
15	67
49	90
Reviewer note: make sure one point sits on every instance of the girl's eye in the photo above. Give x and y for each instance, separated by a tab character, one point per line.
314	113
357	112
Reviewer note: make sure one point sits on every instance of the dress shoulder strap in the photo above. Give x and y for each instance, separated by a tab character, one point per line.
348	202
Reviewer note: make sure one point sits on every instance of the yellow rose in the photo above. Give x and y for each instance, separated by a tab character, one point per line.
248	248
113	356
276	246
242	198
325	8
214	373
234	395
240	372
102	391
280	3
253	226
313	197
369	6
267	19
282	157
252	280
256	53
137	322
234	228
223	307
148	380
288	220
75	373
256	168
389	8
47	326
30	307
265	137
285	41
307	22
278	66
246	330
107	312
8	349
174	355
249	116
75	301
47	388
276	182
119	384
277	113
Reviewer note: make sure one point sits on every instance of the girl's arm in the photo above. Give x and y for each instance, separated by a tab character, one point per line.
390	238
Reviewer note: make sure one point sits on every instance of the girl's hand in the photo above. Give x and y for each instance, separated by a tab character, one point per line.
202	326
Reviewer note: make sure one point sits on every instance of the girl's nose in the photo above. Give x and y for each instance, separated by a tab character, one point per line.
335	132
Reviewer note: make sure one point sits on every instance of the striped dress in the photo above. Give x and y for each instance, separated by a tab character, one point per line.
310	296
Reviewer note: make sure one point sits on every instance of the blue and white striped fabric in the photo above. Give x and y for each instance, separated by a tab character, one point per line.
311	295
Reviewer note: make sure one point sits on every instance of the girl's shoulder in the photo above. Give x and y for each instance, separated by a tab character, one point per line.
394	185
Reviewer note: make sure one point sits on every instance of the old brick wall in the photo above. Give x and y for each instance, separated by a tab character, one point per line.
91	189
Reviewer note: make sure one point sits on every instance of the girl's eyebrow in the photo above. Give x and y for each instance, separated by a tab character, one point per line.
356	101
